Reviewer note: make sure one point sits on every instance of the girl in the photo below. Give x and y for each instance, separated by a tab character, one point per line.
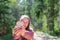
22	31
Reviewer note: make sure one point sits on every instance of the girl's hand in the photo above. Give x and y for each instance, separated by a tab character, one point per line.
20	32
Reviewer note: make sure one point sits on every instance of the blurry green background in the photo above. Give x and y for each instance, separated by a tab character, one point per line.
44	15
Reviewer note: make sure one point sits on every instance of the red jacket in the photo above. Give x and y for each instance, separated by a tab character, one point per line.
28	34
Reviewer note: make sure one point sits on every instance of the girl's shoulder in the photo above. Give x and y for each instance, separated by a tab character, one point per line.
31	29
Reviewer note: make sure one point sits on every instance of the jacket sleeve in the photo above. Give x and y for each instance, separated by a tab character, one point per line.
16	33
29	34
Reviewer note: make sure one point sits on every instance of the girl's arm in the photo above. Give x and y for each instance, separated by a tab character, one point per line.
28	35
16	33
22	32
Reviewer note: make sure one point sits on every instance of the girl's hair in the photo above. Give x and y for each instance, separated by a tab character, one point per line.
28	26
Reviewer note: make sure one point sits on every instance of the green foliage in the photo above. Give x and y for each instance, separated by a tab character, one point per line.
6	37
44	27
7	20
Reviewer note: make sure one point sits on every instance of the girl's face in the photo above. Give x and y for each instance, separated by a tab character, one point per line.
25	22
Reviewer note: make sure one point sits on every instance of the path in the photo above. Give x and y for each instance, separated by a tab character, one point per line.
43	36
